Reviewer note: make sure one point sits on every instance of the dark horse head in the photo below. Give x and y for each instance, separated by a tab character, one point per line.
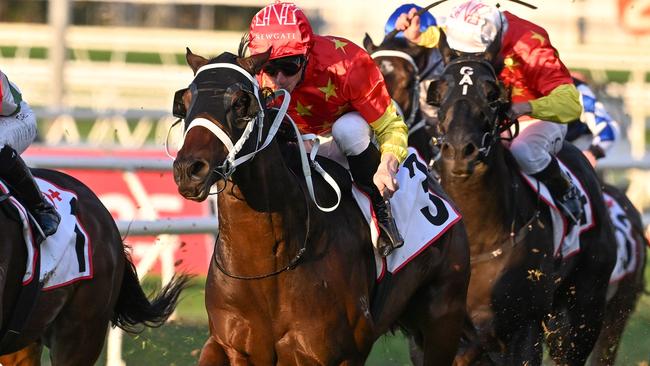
229	108
510	230
401	63
472	104
404	65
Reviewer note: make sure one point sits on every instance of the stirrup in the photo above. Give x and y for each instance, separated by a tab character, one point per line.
47	218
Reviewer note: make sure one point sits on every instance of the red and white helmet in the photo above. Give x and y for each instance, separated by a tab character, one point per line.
472	26
282	27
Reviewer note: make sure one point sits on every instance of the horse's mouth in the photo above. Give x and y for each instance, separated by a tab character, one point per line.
197	190
460	175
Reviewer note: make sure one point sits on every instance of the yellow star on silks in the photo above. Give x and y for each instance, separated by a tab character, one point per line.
339	44
303	110
326	125
329	90
510	63
517	92
341	109
538	37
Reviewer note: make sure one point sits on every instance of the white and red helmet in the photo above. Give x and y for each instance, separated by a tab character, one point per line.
282	27
472	26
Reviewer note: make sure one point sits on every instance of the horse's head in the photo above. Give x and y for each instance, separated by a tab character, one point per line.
400	63
223	113
472	104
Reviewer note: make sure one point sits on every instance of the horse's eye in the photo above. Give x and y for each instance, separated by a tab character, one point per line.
241	103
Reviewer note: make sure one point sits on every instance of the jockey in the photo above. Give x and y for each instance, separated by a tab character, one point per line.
434	65
336	89
596	131
542	91
17	132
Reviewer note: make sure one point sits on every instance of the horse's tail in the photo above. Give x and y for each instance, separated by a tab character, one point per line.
134	310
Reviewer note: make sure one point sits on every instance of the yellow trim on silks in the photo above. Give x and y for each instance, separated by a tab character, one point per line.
430	37
561	105
391	133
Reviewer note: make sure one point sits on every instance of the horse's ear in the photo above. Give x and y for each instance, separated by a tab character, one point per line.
253	64
195	61
368	44
444	48
493	50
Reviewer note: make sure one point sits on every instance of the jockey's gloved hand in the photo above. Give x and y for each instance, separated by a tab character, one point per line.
519	109
385	178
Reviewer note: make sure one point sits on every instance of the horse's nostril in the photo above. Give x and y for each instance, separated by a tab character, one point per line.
469	149
199	169
447	150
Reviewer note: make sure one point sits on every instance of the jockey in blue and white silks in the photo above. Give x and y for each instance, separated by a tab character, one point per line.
596	131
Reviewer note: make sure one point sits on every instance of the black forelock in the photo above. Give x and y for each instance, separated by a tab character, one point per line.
224	57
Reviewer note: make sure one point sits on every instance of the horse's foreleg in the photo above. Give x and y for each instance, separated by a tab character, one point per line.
524	347
213	354
616	316
28	356
441	323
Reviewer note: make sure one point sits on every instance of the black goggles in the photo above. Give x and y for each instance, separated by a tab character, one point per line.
289	66
178	108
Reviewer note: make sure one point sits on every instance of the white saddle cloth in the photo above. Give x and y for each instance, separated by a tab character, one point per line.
65	256
566	244
421	215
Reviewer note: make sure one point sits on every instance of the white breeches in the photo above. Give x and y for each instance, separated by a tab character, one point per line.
351	135
535	142
19	130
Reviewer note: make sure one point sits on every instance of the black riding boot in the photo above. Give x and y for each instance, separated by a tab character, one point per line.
17	175
363	168
564	192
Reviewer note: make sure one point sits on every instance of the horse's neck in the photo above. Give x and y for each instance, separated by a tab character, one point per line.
254	211
486	202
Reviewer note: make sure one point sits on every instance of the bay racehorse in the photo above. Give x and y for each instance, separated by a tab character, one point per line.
72	320
290	284
399	66
404	65
521	292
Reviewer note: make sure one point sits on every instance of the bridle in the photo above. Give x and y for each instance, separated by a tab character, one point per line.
227	168
232	161
495	113
415	94
494	110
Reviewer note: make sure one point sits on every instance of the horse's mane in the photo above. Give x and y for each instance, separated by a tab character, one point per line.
395	43
243	45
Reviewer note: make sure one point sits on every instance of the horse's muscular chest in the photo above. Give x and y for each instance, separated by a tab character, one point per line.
286	321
